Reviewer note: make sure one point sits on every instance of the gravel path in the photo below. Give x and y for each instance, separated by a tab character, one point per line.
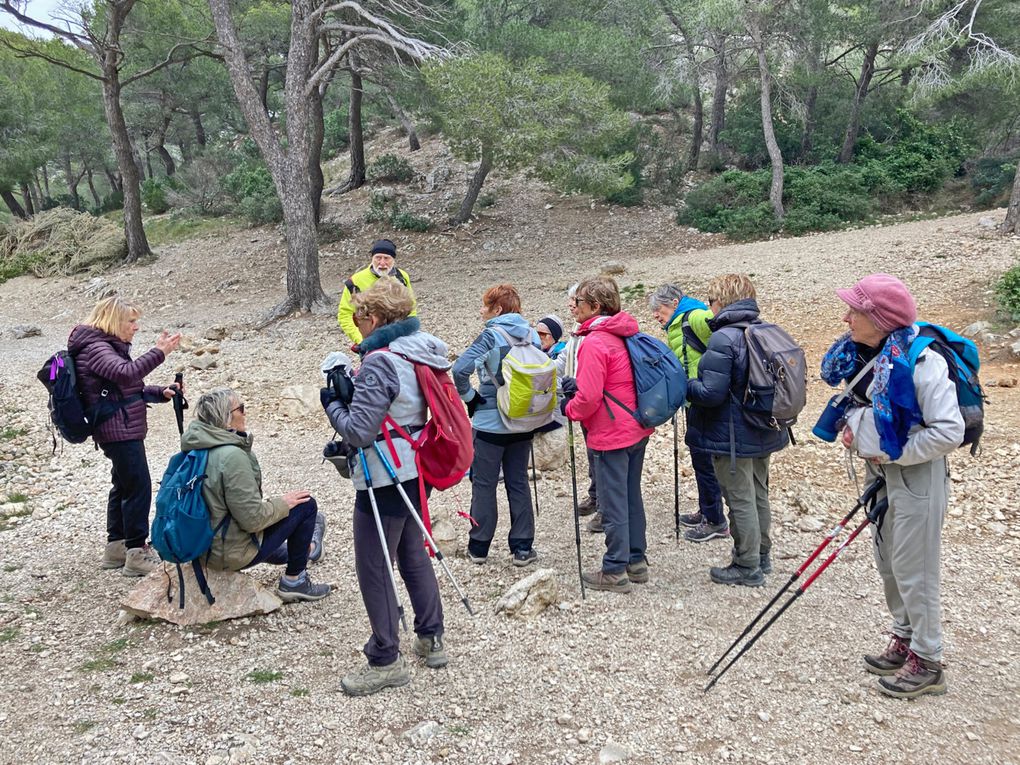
610	676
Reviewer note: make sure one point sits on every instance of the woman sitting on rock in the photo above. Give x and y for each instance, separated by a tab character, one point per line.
281	530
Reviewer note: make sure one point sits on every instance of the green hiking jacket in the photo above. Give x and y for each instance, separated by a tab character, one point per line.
697	319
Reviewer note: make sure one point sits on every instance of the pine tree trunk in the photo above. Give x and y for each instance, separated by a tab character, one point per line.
138	245
159	141
405	122
13	205
72	181
775	155
26	197
37	194
356	178
92	187
474	187
196	120
1012	223
853	128
317	131
697	128
718	121
46	180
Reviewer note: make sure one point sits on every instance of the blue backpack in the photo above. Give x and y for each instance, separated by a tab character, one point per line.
181	531
961	357
660	381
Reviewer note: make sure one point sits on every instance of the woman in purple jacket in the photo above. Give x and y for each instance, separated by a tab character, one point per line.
112	386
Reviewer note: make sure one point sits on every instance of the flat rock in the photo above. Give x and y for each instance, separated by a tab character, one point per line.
206	361
422	732
612	752
299	400
530	596
21	331
550	449
613	268
236	595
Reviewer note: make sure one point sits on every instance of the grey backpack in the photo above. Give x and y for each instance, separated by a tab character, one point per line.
776	377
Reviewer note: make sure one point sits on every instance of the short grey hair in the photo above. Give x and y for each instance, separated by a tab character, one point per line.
665	295
213	408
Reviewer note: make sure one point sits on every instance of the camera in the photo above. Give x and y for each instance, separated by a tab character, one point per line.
339	453
831	420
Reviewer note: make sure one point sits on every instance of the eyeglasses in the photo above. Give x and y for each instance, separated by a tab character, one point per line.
238	408
543	334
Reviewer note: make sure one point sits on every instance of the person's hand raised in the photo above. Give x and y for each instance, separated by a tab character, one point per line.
167	342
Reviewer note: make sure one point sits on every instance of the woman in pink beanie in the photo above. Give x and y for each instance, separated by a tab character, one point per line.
904	420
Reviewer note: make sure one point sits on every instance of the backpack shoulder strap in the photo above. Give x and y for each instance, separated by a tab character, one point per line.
403	277
352	288
690	337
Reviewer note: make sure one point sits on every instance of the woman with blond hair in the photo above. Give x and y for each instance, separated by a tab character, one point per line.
112	386
740	452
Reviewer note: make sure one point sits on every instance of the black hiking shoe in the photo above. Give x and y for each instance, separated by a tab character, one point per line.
916	677
891	659
734	574
524	558
690	520
588	507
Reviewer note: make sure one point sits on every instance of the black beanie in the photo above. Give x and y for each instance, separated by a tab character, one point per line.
384	247
554	325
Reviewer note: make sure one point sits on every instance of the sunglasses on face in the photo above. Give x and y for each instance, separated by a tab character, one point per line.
238	408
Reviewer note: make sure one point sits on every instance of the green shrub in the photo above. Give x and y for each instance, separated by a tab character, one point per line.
384	209
154	197
825	197
728	204
1007	290
403	220
19	264
251	187
336	136
919	157
992	180
390	168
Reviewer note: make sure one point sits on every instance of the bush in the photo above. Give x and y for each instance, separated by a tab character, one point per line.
251	187
992	180
336	136
154	197
384	209
406	221
390	168
1007	290
727	203
919	157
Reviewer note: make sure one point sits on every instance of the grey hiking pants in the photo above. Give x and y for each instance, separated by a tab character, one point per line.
618	474
908	551
513	457
747	496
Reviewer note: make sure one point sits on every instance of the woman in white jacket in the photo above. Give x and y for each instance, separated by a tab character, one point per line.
904	420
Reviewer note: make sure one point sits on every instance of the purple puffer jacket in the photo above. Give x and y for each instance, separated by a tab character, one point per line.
101	359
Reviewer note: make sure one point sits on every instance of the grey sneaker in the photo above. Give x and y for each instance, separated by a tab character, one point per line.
139	561
690	520
431	648
734	574
588	507
595	524
916	677
478	560
765	563
600	580
115	554
317	551
891	659
304	590
524	558
369	679
705	531
637	573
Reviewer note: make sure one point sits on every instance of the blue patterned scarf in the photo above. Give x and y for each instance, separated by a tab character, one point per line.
893	399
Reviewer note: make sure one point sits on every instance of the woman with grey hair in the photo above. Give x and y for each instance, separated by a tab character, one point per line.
685	322
250	528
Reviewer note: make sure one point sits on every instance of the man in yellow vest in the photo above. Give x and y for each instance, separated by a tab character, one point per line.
384	255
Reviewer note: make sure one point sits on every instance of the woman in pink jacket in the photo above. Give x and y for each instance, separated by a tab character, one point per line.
613	434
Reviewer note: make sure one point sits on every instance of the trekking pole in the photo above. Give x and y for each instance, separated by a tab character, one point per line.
421	525
180	403
382	538
876	512
676	480
865	498
534	474
577	514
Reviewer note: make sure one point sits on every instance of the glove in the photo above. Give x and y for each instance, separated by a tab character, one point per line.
326	397
343	386
356	347
563	406
569	388
474	403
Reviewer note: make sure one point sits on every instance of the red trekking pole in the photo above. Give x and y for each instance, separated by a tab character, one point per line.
875	512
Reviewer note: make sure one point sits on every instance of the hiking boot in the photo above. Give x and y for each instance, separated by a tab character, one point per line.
431	648
601	580
303	590
114	555
588	507
524	558
891	659
690	520
734	574
595	524
478	560
637	573
765	563
705	531
316	552
139	561
916	677
369	679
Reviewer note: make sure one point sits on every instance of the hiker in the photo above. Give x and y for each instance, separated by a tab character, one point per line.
716	425
685	322
616	439
101	347
496	445
285	530
383	263
386	385
904	422
566	366
550	331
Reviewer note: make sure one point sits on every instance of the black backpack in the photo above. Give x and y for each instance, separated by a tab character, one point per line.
70	416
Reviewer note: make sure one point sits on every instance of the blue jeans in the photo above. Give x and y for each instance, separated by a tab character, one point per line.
127	509
709	492
295	532
618	474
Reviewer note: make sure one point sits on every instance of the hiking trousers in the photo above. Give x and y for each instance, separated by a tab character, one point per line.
513	456
908	551
287	540
746	491
127	508
406	546
618	474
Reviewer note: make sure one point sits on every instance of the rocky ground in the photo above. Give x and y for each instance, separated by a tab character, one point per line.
608	678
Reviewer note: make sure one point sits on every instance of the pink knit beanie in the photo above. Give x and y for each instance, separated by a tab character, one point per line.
884	298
